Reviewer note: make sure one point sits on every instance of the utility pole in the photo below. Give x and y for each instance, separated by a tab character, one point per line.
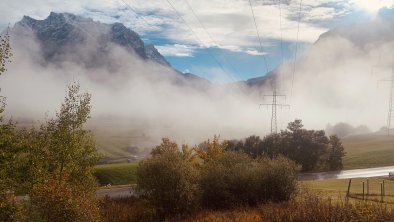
274	105
390	116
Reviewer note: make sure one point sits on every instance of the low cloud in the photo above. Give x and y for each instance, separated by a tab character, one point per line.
332	84
178	50
230	24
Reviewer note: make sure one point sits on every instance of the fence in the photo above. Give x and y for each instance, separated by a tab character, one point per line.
378	190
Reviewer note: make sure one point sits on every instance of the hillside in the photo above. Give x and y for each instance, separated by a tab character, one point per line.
368	150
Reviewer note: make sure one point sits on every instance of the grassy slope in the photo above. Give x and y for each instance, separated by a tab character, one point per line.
116	174
338	188
371	150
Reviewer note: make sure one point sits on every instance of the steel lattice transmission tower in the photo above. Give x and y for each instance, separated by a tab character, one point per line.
390	116
274	104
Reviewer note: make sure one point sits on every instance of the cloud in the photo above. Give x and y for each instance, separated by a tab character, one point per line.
226	24
178	50
372	6
254	52
138	97
333	81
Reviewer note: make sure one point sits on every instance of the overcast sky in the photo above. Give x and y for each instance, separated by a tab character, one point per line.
215	39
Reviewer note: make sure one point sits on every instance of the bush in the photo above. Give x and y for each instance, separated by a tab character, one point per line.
168	181
52	201
9	209
235	179
128	209
225	182
278	179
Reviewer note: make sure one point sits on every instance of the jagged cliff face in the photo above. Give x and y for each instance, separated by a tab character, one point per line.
61	34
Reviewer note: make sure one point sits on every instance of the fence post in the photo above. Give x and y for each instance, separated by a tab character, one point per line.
363	190
381	192
384	189
348	188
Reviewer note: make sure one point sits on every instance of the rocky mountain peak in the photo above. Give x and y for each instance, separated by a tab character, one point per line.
60	32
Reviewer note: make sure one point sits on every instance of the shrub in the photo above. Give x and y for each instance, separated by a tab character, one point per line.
52	201
128	209
235	179
9	210
169	183
277	180
225	182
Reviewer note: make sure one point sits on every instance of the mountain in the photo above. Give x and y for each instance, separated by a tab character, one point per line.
364	35
60	32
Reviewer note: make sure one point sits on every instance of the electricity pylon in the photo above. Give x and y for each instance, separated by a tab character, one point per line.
390	116
274	105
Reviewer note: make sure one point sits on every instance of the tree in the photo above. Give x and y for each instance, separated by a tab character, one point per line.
7	141
5	52
211	149
336	152
253	146
71	149
7	129
166	146
60	157
305	147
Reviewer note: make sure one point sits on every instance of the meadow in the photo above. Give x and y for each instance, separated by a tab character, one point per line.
116	173
369	150
337	189
362	151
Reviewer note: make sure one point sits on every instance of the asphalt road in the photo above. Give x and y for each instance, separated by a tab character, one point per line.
116	192
348	174
127	191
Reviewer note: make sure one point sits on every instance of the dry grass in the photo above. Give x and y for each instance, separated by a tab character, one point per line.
368	150
337	188
307	207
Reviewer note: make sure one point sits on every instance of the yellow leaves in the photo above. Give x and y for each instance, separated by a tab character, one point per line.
211	149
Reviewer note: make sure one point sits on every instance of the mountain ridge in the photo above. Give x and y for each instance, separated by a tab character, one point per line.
61	33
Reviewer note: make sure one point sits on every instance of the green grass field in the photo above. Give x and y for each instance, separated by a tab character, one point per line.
371	150
116	174
337	188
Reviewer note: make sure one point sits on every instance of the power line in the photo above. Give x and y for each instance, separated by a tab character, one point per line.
195	35
390	116
209	35
258	35
296	51
274	105
135	12
281	33
280	75
201	24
